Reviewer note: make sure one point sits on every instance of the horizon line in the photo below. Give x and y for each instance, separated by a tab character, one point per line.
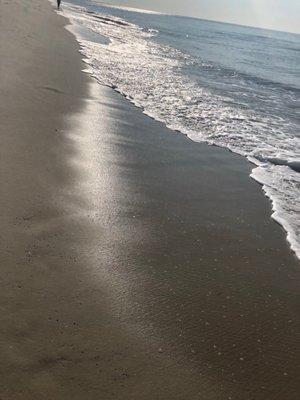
154	12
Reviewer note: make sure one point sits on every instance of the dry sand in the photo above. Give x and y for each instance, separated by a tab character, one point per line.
135	264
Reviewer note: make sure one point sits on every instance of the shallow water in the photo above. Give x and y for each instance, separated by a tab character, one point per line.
228	85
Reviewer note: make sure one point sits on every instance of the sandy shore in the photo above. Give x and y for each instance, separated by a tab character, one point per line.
135	264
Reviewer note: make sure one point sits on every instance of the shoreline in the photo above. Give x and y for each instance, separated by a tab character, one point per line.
255	174
135	263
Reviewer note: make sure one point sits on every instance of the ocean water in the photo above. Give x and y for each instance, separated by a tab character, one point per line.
226	85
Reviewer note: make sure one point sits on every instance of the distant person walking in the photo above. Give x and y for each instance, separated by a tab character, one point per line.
58	4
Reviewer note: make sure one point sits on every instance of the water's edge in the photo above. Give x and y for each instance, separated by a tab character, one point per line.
294	246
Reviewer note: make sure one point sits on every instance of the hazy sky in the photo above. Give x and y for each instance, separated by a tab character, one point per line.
274	14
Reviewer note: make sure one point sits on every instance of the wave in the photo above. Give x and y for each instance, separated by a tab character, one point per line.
151	75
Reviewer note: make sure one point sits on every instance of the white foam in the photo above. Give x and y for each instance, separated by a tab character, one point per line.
150	76
281	184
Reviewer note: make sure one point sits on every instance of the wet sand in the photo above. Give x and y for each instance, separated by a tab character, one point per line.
135	264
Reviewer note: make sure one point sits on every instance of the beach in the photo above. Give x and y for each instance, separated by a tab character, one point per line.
135	263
